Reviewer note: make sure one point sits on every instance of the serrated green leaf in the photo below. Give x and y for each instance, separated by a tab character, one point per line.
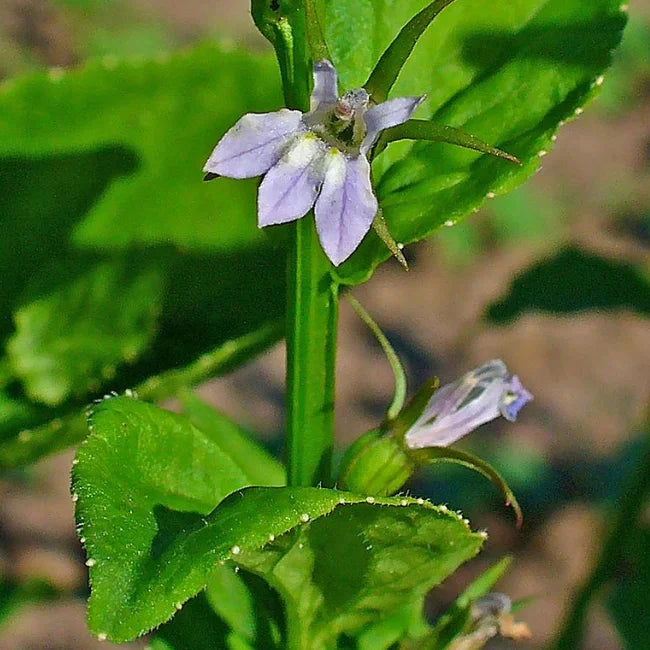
61	347
146	481
359	564
507	72
258	465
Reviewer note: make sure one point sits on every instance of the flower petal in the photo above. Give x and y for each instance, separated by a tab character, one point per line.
254	144
290	187
387	114
514	399
325	92
479	396
447	429
451	397
346	205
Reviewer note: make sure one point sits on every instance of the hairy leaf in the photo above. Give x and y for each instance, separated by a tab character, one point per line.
147	483
507	72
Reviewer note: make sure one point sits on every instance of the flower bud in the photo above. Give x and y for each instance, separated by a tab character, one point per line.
375	464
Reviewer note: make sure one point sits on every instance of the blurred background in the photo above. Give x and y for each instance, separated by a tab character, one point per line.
552	278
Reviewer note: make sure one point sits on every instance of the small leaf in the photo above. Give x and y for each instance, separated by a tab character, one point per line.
452	622
195	627
425	130
258	465
234	612
146	482
452	455
393	59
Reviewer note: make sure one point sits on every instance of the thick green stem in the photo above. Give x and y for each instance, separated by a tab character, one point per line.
312	312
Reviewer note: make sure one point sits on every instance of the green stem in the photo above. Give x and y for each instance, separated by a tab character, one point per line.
312	312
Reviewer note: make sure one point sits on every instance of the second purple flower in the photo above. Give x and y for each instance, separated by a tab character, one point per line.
319	157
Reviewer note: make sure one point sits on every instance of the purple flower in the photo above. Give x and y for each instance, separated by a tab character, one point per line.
319	157
479	396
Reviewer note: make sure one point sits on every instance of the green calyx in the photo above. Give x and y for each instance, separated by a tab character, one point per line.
376	464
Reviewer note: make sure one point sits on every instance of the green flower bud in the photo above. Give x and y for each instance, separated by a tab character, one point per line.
376	464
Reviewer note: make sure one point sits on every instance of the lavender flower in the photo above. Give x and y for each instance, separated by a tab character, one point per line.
316	157
479	396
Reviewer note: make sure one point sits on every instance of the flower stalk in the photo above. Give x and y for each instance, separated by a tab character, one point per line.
312	319
312	314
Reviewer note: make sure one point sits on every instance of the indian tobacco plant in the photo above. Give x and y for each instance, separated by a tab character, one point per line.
319	157
192	529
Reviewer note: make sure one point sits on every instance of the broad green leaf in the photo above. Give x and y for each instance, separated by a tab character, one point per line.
102	164
59	430
358	564
259	466
43	196
165	117
147	482
77	324
573	281
508	72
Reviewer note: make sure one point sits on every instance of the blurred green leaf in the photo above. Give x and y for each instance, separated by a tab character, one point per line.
625	85
508	73
167	115
79	323
259	466
408	621
628	604
14	595
452	622
103	164
573	281
146	481
624	550
68	427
